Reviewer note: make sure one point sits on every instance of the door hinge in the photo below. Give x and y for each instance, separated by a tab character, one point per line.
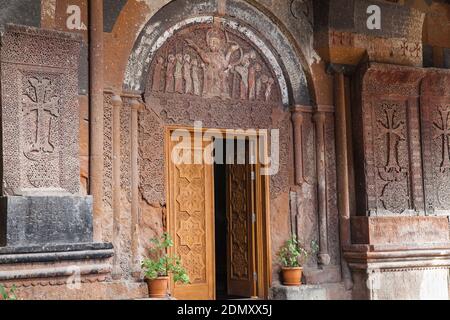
255	276
253	217
253	176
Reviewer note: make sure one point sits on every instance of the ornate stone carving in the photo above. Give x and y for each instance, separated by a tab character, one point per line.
41	100
392	157
435	112
212	63
40	122
393	130
40	114
442	132
391	142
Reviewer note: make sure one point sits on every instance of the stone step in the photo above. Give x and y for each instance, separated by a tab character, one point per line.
329	291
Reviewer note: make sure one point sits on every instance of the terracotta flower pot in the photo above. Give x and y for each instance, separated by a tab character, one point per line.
157	288
292	276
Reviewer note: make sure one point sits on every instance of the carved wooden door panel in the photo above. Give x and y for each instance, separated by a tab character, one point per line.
191	224
240	201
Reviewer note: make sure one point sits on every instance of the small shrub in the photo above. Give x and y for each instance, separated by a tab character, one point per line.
6	294
293	255
161	264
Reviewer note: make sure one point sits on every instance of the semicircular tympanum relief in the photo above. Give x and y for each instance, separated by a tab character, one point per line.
211	62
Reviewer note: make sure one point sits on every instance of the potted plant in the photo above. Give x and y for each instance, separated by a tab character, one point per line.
290	255
8	294
158	267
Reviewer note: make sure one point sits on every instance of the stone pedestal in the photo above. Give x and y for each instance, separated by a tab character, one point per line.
329	291
42	220
399	257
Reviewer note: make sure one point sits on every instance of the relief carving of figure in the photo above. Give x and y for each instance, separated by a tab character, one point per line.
156	83
252	80
179	73
217	59
243	71
170	80
259	85
195	78
269	87
187	74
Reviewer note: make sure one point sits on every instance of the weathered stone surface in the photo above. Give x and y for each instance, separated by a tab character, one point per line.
402	162
91	288
435	126
332	291
54	248
400	274
80	254
40	117
399	230
386	127
42	202
43	220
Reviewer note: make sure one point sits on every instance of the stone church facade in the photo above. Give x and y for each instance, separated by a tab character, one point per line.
92	92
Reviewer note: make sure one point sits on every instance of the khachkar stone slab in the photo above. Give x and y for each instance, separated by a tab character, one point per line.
386	128
435	120
41	200
40	116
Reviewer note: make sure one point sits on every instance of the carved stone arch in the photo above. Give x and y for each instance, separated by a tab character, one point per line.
239	15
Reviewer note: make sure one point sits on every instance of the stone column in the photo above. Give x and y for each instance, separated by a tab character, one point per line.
136	107
297	119
116	102
96	111
319	120
342	166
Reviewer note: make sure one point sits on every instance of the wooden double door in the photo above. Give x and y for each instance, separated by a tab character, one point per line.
191	220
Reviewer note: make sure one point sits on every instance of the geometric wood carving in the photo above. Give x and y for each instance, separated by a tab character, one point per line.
190	223
239	217
191	214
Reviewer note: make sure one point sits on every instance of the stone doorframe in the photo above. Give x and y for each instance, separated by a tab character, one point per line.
263	256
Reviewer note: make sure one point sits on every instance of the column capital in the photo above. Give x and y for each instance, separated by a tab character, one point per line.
116	100
324	108
136	105
319	117
301	108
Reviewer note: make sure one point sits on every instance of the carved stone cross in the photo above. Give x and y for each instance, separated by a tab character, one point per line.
443	131
394	131
45	109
